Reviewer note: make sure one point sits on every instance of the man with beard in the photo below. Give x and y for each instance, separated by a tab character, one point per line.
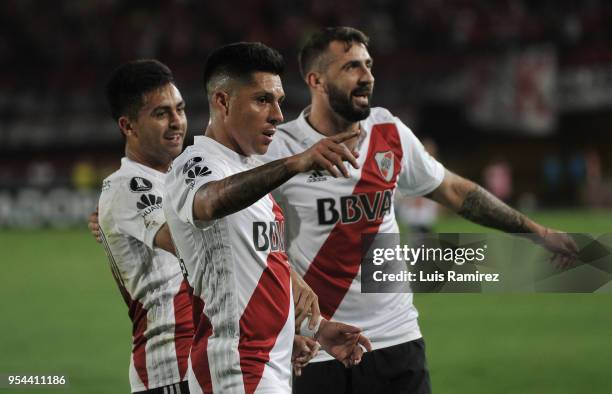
150	113
326	216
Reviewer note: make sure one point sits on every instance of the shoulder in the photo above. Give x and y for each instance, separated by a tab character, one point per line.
380	115
131	180
289	133
192	159
288	141
196	165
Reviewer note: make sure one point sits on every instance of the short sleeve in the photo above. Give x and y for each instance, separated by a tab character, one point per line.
137	208
185	178
421	173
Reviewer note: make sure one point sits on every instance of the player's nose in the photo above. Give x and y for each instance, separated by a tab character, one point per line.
276	114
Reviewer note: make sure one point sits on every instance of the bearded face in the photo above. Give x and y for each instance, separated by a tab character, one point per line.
353	105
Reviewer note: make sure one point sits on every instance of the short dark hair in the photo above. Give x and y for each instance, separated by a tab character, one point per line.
131	81
318	43
239	60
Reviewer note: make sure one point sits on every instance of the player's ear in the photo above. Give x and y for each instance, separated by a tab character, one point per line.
220	101
125	125
313	80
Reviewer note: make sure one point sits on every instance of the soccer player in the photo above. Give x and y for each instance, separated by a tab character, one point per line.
150	113
327	215
229	231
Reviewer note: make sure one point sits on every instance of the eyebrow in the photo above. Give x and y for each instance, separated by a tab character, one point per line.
167	107
367	61
268	95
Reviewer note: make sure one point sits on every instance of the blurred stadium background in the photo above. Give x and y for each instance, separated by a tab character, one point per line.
515	94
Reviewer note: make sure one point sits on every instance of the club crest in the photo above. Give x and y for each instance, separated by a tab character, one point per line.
385	161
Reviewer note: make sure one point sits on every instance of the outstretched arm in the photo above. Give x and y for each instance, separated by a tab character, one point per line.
220	198
476	204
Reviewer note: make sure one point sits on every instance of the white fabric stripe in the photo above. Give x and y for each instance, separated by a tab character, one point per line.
111	259
177	388
222	353
149	275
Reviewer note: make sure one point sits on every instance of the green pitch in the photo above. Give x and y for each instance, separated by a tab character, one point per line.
62	315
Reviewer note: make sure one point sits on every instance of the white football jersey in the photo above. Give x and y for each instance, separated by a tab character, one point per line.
238	270
149	278
326	217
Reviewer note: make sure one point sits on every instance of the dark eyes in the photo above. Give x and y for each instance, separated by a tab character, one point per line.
357	65
161	114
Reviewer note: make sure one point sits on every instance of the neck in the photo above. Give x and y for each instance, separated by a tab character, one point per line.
217	133
324	120
158	165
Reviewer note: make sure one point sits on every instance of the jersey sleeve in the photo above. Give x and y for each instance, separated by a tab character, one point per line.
138	214
421	173
185	179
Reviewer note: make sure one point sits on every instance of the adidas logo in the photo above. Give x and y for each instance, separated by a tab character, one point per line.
316	176
195	172
148	200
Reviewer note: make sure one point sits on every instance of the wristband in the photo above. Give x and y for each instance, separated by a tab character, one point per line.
307	332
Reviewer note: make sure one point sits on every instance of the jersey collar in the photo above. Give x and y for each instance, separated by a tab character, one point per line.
314	136
151	171
207	141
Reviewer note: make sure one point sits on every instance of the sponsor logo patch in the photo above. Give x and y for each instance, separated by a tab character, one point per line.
139	184
195	172
148	200
190	163
148	203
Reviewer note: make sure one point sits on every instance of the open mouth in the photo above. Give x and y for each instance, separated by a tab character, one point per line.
361	97
174	139
268	135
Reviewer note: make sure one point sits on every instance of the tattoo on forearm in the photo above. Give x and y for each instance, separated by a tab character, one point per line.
482	207
241	190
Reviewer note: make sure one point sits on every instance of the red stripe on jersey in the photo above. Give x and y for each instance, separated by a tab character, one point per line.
199	356
138	314
265	315
183	327
336	264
